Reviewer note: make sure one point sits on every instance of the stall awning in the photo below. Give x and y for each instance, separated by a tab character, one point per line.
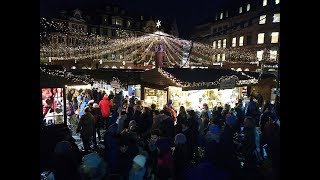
126	76
194	79
50	80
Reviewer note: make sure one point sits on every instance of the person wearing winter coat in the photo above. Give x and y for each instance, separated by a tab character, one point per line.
85	127
105	106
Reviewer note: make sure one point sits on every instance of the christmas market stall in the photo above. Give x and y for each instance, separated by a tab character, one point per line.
193	87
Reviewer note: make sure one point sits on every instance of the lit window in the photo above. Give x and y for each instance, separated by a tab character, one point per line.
218	57
119	22
273	55
260	38
248	7
226	13
274	37
221	15
241	41
234	42
265	2
219	44
239	69
240	10
214	58
216	17
262	19
277	1
224	43
214	44
259	55
223	57
128	23
276	17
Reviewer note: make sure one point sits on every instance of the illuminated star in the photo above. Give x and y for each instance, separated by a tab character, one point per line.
158	24
133	88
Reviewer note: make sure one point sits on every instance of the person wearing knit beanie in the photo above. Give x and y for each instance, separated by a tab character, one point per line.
180	139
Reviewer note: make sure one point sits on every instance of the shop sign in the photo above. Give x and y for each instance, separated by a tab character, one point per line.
227	83
150	93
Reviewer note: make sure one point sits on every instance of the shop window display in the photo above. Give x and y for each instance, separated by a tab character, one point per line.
53	105
154	96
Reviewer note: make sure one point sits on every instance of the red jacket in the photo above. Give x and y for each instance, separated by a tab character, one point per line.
105	106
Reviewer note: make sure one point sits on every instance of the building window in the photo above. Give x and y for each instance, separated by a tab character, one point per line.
116	9
216	17
128	24
273	55
227	14
249	40
234	42
223	58
119	22
240	10
219	44
241	41
93	30
224	43
248	7
264	2
218	58
260	38
274	37
113	32
276	18
277	1
214	44
221	15
262	19
259	55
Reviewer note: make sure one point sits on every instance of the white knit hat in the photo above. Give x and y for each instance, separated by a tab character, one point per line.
140	160
95	105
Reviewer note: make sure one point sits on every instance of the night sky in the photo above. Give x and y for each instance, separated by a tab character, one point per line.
188	13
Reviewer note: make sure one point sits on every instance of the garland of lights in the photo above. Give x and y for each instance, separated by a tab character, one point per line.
207	84
86	78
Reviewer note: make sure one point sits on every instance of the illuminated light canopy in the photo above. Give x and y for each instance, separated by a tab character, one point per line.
140	50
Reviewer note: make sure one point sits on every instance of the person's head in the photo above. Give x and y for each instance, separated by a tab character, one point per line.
169	102
180	139
87	109
248	122
90	105
46	93
205	106
138	162
153	106
156	113
96	105
62	147
155	134
182	109
251	98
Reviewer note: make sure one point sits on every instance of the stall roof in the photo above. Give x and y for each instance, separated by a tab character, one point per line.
47	80
192	79
126	76
263	75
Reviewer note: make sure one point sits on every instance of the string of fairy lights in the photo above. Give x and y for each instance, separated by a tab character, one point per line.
180	83
69	76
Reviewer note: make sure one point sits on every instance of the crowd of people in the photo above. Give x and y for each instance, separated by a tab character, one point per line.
162	142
